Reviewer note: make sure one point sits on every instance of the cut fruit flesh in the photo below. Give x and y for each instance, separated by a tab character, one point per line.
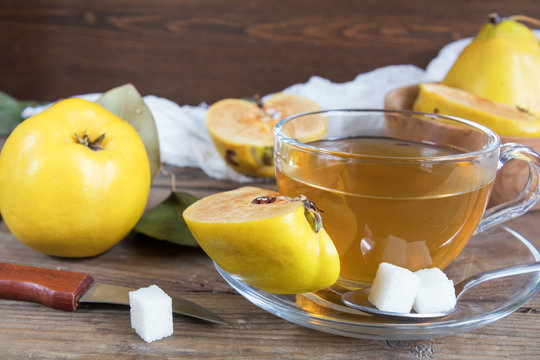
226	207
504	120
242	131
264	239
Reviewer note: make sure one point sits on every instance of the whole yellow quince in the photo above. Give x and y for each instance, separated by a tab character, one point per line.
501	64
270	242
74	179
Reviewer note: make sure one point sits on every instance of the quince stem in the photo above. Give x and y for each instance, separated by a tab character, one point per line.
311	212
494	18
93	145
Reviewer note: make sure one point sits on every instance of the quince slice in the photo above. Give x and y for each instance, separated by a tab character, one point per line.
242	130
271	242
503	119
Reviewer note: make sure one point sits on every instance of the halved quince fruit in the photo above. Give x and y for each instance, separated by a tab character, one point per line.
242	130
503	119
269	241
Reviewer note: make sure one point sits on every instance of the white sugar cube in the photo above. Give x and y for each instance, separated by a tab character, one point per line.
151	313
436	292
394	288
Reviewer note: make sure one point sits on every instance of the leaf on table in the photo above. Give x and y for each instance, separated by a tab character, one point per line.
126	103
10	112
165	221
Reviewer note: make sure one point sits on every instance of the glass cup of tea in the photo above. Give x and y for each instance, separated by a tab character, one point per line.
397	186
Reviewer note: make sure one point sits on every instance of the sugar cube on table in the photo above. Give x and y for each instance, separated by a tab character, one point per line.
436	292
151	313
394	288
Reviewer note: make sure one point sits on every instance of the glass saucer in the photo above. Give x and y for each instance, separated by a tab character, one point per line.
480	306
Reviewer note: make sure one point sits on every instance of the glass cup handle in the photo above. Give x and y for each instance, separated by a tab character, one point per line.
528	196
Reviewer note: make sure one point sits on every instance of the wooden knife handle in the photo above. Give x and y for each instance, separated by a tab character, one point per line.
57	289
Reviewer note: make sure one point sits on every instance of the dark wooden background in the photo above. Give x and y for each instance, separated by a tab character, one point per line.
203	50
192	51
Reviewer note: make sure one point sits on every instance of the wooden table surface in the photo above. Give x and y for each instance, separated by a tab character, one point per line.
192	51
29	330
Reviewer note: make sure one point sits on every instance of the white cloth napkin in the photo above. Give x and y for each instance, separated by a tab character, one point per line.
184	140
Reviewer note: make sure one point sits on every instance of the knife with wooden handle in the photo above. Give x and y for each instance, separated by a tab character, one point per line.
65	290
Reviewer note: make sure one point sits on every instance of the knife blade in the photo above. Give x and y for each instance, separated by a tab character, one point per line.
65	290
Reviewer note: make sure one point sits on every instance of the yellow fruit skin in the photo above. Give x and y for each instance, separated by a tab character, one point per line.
64	199
240	156
430	101
246	159
501	64
281	254
253	155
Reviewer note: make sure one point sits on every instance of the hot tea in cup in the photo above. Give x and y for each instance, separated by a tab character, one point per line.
399	187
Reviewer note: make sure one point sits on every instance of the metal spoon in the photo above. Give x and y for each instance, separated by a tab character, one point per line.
358	298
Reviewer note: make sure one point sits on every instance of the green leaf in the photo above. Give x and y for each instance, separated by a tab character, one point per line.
165	221
126	103
10	112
